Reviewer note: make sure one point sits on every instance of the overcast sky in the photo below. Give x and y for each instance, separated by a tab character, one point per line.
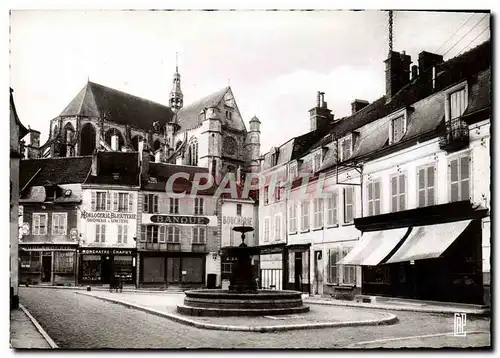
275	62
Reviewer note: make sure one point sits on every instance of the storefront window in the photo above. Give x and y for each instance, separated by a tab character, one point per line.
123	267
91	267
64	261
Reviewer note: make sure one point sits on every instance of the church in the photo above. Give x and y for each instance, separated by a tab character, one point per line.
210	132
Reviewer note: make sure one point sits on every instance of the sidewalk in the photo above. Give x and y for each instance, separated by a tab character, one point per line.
404	305
130	288
24	334
165	305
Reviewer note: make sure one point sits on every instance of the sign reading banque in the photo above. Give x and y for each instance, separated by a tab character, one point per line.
179	219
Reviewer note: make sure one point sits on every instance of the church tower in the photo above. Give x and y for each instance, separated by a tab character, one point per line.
176	98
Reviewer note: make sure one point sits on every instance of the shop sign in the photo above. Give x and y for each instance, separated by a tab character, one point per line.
236	221
180	219
49	248
73	234
26	229
107	217
106	251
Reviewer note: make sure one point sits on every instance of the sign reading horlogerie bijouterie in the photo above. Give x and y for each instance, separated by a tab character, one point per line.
179	219
105	217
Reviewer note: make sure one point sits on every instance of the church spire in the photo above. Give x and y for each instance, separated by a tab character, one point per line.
176	97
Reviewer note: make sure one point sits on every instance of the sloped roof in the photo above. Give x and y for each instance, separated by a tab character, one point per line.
188	116
54	170
126	164
22	129
480	93
119	107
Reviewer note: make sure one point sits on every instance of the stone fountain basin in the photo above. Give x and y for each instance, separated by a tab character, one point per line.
227	303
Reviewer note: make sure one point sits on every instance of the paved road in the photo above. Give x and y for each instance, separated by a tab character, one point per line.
78	321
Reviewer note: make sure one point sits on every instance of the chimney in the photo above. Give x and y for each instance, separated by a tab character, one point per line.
320	116
427	63
114	142
33	146
145	159
358	104
414	72
94	170
397	72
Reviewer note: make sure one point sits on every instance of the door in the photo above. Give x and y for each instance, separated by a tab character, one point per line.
46	268
298	271
106	269
318	272
173	269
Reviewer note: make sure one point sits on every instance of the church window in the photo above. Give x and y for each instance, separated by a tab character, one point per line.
193	153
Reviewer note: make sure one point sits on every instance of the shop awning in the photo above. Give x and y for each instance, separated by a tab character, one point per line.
430	241
373	247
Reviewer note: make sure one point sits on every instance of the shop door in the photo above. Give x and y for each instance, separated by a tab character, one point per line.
107	269
46	267
298	271
173	269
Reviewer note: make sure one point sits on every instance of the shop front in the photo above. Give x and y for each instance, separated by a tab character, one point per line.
431	253
298	268
99	265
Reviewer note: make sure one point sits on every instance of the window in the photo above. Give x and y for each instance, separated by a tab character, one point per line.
398	192
238	209
426	185
346	148
266	229
122	234
277	227
199	234
174	206
292	171
331	210
274	156
279	191
340	274
316	162
122	202
458	103
266	195
100	201
173	234
198	206
397	129
59	223
459	179
229	115
149	233
292	221
100	233
348	205
63	261
150	203
40	223
304	211
374	198
193	153
318	213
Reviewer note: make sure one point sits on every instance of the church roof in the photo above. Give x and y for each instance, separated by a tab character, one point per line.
119	107
188	116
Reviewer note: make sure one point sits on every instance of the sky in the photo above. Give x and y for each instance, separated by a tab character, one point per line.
274	61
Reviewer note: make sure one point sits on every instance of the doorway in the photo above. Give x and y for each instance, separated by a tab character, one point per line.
298	271
46	268
106	268
318	272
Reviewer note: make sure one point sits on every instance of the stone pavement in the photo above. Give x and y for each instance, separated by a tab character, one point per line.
23	332
165	305
404	305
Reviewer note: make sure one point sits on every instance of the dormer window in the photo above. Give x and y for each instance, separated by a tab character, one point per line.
274	156
317	162
345	148
398	125
458	103
229	115
292	171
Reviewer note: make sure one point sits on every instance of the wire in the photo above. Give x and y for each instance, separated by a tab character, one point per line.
460	28
456	43
475	38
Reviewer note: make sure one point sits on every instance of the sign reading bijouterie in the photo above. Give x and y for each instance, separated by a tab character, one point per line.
106	251
103	217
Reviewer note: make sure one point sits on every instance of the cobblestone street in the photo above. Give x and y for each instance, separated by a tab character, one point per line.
78	321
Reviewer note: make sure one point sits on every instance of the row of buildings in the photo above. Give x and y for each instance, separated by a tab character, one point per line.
404	209
391	200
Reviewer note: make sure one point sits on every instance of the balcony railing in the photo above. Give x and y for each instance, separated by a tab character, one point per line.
456	135
160	246
198	247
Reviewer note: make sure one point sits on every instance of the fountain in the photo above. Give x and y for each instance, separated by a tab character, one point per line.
242	298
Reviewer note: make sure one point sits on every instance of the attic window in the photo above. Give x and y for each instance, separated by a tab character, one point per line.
274	156
153	180
346	148
229	115
67	192
116	176
398	126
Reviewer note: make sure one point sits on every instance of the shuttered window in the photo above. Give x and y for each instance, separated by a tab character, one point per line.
174	205
40	223
318	213
266	229
103	201
331	210
398	192
460	178
304	212
199	235
346	148
122	233
150	204
458	103
348	205
374	198
333	258
100	233
277	227
173	234
198	206
292	221
397	128
426	185
59	223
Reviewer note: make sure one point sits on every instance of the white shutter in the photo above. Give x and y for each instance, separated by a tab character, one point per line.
431	174
454	186
464	178
125	233
108	200
155	203
120	233
146	203
143	233
103	233
130	202
97	232
115	201
36	224
402	192
93	198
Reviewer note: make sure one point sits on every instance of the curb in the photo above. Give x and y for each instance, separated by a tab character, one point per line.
480	313
39	328
391	319
79	288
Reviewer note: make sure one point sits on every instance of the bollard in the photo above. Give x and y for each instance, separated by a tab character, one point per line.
89	288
